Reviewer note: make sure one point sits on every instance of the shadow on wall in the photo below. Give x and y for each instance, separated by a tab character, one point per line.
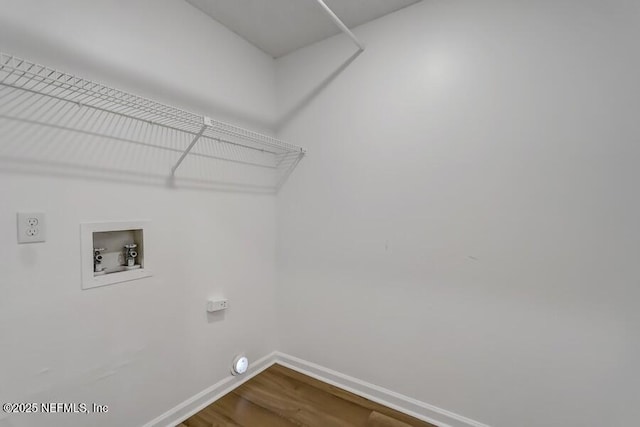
311	95
134	153
93	62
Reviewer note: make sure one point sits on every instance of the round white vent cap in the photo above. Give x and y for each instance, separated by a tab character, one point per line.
240	365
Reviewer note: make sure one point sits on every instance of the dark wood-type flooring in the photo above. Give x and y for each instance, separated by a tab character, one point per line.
280	397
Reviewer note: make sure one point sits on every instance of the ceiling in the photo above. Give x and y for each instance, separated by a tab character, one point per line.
279	27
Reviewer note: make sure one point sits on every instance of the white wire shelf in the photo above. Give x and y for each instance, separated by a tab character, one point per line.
52	118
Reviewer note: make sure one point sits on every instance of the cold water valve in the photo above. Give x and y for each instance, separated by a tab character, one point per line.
130	255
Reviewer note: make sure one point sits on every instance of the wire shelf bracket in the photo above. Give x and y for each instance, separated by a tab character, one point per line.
186	152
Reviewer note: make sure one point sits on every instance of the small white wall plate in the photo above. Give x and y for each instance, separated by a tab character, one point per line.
217	305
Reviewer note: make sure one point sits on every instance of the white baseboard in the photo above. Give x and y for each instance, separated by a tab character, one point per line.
206	397
407	405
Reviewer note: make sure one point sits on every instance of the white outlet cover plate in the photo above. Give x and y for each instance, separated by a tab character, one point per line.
217	305
31	227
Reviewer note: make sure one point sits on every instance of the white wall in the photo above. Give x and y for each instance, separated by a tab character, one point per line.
164	49
464	229
140	347
468	202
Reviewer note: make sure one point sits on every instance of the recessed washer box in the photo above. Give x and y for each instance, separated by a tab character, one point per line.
114	252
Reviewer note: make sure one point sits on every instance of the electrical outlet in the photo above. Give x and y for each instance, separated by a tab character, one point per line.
31	227
217	305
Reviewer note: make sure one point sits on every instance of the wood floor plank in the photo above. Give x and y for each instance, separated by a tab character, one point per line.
281	397
206	419
287	406
216	418
247	413
376	419
352	414
343	394
196	421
